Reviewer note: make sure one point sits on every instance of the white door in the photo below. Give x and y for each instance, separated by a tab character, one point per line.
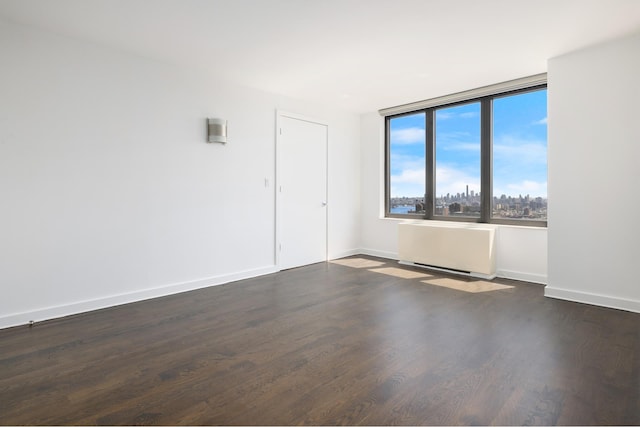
302	191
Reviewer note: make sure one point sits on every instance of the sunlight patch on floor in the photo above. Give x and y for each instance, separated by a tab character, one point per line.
401	273
358	262
475	286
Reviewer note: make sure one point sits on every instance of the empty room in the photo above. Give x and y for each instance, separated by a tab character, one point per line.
337	212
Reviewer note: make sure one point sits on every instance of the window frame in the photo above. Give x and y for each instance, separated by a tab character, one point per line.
485	97
387	165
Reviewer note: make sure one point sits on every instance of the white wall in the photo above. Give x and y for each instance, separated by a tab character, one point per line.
594	150
110	193
521	251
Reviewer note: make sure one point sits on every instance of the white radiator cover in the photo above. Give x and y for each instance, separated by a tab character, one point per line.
466	249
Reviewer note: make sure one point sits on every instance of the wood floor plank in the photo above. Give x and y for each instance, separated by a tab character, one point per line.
363	341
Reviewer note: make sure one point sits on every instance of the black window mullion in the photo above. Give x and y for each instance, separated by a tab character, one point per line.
486	160
430	166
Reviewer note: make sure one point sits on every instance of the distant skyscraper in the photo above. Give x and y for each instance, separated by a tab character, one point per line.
467	191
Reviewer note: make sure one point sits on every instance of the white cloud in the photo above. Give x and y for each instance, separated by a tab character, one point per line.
462	146
451	180
520	167
541	122
409	183
406	162
514	150
457	141
409	176
455	135
413	135
446	115
533	188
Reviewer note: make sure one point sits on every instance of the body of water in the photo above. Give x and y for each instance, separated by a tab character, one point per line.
402	209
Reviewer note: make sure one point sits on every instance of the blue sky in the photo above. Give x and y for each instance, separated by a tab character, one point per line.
519	148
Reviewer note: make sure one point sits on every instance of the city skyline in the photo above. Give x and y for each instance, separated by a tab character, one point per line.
468	204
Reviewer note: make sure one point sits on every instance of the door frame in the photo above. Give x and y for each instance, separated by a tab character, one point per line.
280	114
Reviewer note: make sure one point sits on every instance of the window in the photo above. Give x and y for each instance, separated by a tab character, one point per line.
457	144
520	156
406	164
478	159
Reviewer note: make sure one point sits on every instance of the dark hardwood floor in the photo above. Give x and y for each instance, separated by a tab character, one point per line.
362	341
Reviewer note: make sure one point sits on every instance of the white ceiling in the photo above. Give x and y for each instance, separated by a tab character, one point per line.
360	55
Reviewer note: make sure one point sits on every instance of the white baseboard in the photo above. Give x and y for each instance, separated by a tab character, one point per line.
345	254
594	299
525	277
110	301
380	254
